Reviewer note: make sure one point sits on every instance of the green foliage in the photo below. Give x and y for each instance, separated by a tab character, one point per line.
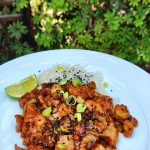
20	4
117	27
21	49
17	29
17	46
112	20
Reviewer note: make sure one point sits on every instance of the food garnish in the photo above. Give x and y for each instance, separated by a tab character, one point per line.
78	116
47	111
63	82
81	108
17	90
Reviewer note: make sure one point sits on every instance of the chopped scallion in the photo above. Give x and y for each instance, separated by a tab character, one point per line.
61	146
71	100
105	85
47	111
80	100
63	82
81	108
62	92
78	116
76	81
67	72
65	95
55	131
60	68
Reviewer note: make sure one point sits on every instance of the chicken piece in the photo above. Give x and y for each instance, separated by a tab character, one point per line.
134	121
77	141
55	88
26	98
19	121
99	118
18	148
35	147
42	101
35	117
100	126
26	140
121	112
91	85
83	91
56	95
36	138
110	135
128	127
25	128
95	105
65	124
66	141
63	110
101	147
87	142
35	120
80	129
55	103
49	140
107	103
97	128
30	107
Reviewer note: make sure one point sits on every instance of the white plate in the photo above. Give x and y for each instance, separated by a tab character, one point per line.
127	82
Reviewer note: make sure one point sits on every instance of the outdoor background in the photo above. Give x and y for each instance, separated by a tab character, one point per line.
117	27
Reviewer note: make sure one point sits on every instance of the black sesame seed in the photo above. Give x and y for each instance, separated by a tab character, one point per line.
97	129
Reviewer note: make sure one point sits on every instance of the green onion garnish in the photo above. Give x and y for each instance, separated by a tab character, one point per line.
71	100
78	116
65	95
105	85
47	111
61	146
67	72
61	91
80	100
60	68
63	82
76	81
56	131
81	108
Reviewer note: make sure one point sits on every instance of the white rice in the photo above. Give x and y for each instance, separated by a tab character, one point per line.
53	75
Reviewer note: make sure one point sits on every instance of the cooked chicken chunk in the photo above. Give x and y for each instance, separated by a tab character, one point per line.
65	141
111	136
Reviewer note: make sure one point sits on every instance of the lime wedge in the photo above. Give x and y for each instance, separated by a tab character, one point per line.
17	90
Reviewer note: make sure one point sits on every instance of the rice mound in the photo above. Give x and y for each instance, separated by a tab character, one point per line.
63	71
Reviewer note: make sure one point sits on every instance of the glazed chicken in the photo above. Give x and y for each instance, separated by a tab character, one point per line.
95	127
